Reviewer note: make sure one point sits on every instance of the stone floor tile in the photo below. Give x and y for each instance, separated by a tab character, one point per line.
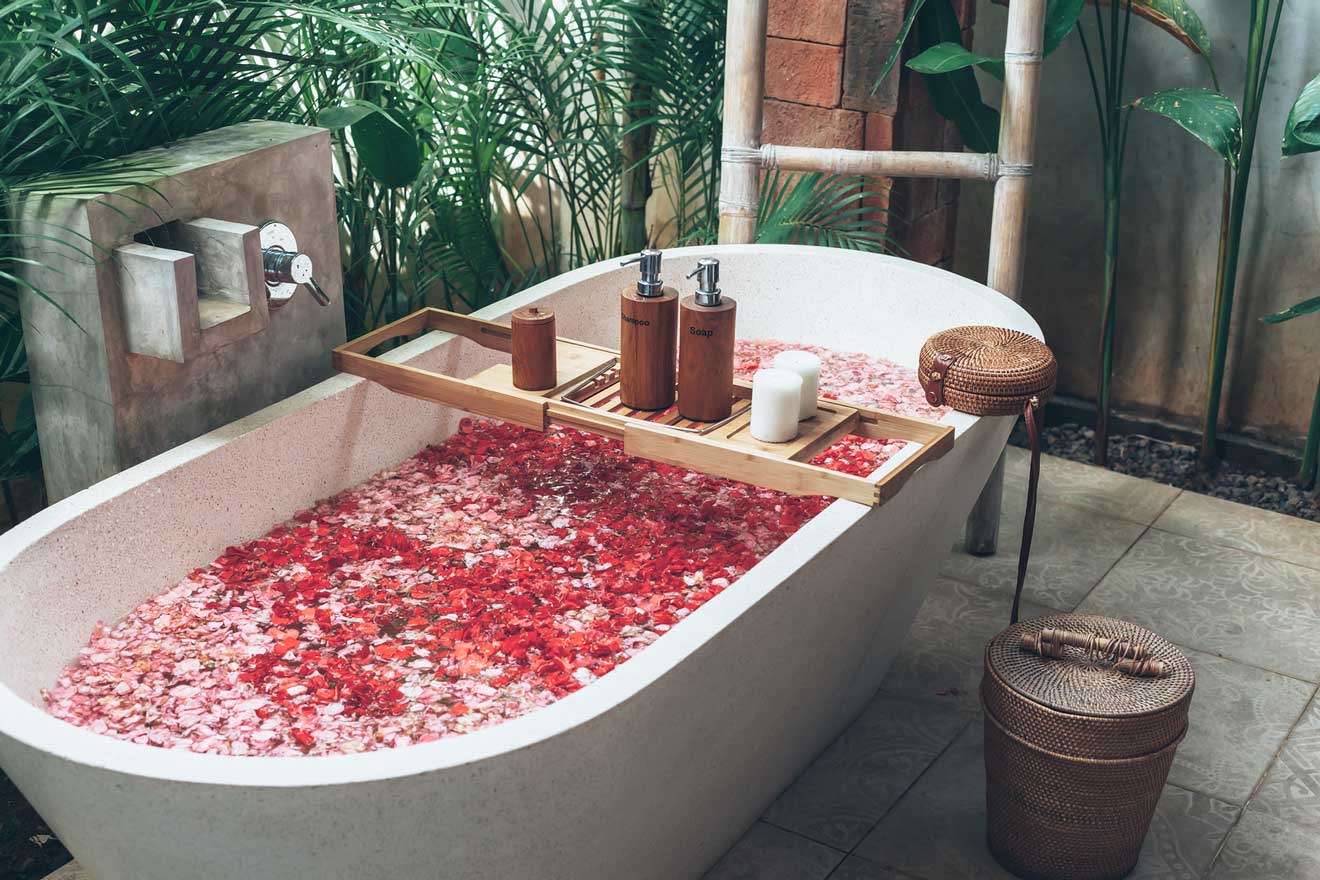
1071	551
858	868
943	655
937	830
1292	789
769	853
1239	717
71	871
1238	605
1093	488
1184	835
1229	524
1264	847
863	772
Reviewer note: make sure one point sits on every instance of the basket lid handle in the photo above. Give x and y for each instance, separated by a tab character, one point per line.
1121	654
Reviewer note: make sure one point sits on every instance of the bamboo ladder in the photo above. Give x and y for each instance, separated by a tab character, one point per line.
744	156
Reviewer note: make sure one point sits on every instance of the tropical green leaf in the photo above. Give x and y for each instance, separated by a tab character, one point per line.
388	151
956	95
1305	307
1178	19
948	57
1175	17
1212	118
1302	133
819	209
1060	19
897	48
344	115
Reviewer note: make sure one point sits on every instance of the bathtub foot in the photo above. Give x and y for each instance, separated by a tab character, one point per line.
982	535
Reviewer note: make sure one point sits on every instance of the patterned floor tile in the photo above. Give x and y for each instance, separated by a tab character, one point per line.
1071	551
769	853
1239	717
943	655
1264	847
1217	521
1292	788
860	776
937	831
1258	611
1093	488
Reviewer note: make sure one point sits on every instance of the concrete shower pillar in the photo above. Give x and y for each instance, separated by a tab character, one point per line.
168	333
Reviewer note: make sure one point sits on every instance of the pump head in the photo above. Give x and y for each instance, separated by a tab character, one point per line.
708	281
649	284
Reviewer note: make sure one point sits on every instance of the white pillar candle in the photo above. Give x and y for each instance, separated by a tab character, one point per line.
806	365
775	396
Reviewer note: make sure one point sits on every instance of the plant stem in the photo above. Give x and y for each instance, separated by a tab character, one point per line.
1109	304
1258	56
1113	143
1306	478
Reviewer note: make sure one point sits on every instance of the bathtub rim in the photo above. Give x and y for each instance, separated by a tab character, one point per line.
33	727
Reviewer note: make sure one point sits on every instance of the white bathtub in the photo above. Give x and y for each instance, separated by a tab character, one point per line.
651	772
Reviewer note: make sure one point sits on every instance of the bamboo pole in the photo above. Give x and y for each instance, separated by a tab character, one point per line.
1017	144
878	163
1017	155
744	86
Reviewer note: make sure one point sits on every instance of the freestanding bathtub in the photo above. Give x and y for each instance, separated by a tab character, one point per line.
651	772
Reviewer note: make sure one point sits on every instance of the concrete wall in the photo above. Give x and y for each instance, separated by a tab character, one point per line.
1171	223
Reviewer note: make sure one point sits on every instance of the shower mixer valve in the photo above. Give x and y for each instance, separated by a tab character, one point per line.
285	266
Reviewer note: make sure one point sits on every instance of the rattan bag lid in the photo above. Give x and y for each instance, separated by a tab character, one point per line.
986	370
1088	682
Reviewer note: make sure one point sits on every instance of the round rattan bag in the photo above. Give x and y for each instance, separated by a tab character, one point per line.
994	371
986	371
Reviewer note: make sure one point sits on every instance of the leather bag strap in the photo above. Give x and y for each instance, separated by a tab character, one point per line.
1031	413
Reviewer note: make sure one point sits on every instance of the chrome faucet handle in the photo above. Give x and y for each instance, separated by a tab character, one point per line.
285	267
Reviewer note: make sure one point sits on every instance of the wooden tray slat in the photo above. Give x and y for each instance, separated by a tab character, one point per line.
586	397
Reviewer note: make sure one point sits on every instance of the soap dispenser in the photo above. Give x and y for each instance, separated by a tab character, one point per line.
705	356
648	314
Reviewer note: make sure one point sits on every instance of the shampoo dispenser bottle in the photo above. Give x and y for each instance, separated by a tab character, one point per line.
648	338
705	357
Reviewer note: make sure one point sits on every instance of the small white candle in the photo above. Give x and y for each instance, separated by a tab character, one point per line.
775	396
806	365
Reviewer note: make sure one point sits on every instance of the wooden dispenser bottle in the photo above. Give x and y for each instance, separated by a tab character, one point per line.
705	358
648	338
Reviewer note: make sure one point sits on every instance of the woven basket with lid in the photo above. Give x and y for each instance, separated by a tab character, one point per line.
1077	751
986	371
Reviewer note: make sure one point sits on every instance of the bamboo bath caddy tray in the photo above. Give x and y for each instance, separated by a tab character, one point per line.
585	397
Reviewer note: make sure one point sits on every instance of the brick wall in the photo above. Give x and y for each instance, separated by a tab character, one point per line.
822	58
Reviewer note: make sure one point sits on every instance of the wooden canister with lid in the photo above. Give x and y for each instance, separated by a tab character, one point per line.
534	367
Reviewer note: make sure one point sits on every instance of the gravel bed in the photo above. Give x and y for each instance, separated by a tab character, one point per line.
1177	465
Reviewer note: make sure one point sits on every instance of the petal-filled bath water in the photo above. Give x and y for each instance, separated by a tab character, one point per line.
480	579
